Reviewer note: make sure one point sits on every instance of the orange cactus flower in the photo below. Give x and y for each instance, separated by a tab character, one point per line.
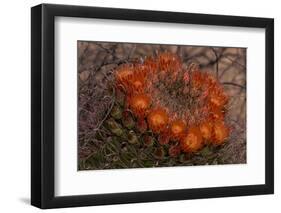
192	141
216	113
139	104
211	82
123	75
197	79
141	69
177	129
206	130
158	120
137	84
168	62
218	97
137	81
220	133
151	65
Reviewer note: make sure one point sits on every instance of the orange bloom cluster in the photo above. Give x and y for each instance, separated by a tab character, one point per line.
185	107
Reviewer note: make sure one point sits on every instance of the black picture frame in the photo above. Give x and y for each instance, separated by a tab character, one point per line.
43	102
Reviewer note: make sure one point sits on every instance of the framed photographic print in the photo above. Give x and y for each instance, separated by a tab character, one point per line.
139	106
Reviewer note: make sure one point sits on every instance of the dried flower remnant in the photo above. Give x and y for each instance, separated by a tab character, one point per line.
141	125
163	138
174	150
148	140
159	153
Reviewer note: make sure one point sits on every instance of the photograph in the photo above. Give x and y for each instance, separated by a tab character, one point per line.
133	105
146	105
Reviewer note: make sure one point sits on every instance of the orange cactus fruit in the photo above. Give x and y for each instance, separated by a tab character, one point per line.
158	120
177	129
220	133
192	141
168	62
139	104
206	130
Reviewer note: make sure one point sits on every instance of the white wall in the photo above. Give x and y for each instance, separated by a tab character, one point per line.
15	105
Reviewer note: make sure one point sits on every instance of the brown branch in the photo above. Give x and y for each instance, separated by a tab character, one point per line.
217	62
234	84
